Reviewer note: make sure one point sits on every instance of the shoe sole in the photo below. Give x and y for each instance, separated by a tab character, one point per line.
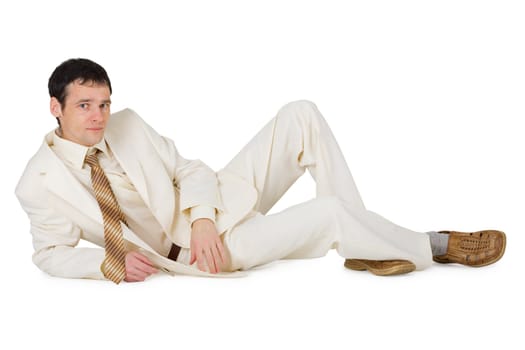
488	262
399	269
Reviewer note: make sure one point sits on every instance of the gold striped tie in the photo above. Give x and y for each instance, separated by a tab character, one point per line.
114	264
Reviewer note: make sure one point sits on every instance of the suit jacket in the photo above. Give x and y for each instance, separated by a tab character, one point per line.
62	212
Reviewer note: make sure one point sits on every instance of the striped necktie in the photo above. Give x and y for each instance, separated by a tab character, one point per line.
114	265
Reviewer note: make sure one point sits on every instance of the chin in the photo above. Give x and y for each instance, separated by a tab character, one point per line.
97	141
93	142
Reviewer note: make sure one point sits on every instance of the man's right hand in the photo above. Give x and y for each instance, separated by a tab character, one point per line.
138	267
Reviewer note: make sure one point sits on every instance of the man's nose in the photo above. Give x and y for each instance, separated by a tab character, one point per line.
97	115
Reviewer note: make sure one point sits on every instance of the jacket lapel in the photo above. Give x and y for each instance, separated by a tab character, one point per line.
129	161
62	183
146	171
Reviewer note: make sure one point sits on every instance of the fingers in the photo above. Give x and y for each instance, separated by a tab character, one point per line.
206	247
138	267
201	260
193	255
142	258
222	253
219	261
139	273
220	256
210	258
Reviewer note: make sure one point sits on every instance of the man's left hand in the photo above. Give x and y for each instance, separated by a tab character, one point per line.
206	246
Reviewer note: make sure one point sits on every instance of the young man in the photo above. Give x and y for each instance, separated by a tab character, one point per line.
113	181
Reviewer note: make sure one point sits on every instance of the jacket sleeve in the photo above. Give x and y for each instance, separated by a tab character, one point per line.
196	182
55	237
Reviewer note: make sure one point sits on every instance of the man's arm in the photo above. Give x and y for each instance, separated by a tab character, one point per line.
196	182
55	238
199	201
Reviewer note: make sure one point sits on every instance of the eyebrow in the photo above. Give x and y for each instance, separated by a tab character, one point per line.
90	100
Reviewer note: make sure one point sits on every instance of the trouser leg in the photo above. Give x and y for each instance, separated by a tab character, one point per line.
310	229
299	138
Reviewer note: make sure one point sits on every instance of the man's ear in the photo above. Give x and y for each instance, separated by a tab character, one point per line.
55	107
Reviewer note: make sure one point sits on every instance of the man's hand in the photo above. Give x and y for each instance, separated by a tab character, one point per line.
206	246
138	267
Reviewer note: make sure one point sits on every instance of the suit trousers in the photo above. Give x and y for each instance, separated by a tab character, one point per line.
296	139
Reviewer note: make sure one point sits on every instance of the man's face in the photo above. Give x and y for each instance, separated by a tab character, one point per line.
85	112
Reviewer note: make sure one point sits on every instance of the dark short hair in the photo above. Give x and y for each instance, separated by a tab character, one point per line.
76	69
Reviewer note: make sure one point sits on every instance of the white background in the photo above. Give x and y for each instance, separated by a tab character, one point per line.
425	98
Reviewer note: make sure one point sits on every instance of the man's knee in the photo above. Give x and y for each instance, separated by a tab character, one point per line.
300	106
301	110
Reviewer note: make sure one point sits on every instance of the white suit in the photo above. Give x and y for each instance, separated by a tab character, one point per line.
62	212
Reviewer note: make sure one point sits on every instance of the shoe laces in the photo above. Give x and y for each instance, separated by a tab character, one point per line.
473	245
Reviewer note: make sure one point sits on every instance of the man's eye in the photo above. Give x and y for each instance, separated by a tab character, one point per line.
83	105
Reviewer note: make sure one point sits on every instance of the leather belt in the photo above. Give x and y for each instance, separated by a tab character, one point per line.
174	252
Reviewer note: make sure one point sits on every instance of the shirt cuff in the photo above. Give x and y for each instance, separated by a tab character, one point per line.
202	212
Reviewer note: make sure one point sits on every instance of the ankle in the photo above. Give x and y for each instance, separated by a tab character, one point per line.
438	243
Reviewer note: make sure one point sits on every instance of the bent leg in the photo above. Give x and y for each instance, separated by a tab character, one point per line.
297	138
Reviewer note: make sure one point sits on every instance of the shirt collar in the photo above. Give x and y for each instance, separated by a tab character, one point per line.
73	153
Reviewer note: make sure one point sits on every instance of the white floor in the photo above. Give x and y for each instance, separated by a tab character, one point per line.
291	304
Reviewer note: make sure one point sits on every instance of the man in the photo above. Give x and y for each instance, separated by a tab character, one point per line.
115	182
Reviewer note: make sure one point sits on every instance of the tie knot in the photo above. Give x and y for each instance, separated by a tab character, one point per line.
92	159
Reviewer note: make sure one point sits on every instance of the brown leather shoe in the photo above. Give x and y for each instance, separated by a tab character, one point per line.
476	249
381	267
